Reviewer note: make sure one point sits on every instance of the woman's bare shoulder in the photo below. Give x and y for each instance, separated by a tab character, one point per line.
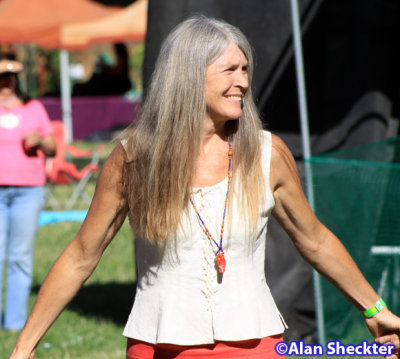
112	170
283	165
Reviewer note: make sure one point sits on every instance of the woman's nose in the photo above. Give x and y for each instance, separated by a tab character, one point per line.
242	79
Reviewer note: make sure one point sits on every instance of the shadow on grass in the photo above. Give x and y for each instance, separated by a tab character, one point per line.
109	301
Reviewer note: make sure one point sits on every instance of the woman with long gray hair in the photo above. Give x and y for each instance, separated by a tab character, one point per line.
198	178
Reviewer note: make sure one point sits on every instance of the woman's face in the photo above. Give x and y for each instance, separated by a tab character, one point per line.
226	83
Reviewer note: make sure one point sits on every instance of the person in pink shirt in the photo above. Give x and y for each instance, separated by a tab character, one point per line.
25	134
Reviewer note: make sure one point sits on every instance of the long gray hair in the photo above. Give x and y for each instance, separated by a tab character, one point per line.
162	146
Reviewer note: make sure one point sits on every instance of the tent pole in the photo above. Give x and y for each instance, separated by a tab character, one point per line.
305	134
66	94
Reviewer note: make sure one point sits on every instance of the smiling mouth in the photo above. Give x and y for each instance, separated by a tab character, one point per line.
235	97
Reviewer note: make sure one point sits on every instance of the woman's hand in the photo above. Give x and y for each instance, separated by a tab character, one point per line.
17	355
34	141
385	327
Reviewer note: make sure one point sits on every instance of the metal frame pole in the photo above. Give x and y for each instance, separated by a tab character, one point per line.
66	94
305	133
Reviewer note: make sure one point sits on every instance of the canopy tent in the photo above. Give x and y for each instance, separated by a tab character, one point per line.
128	24
40	22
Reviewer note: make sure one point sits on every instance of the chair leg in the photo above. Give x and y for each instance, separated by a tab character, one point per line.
78	192
49	198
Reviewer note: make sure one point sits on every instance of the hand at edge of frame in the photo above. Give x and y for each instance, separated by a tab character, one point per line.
18	355
385	327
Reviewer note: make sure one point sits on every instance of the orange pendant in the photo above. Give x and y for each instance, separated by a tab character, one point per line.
221	262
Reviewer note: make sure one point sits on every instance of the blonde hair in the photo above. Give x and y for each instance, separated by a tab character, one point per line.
162	145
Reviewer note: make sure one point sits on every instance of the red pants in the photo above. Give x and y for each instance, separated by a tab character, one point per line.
250	349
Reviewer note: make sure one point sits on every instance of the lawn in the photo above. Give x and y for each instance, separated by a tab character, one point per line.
91	326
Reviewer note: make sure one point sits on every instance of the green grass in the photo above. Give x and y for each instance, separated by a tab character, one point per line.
91	326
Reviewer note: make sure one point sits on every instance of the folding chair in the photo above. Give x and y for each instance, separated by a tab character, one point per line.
61	171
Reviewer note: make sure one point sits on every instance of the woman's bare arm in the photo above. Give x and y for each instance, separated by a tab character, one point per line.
318	245
106	214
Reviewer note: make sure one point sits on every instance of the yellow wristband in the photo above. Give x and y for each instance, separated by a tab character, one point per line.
379	305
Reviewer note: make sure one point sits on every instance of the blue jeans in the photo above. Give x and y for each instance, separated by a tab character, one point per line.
20	208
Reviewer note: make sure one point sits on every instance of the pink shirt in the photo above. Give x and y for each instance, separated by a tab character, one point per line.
17	168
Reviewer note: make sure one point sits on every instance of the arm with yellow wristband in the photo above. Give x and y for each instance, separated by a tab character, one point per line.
324	251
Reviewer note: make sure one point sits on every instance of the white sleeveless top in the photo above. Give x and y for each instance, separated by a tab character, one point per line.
182	299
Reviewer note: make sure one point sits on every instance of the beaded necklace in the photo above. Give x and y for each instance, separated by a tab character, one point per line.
219	255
